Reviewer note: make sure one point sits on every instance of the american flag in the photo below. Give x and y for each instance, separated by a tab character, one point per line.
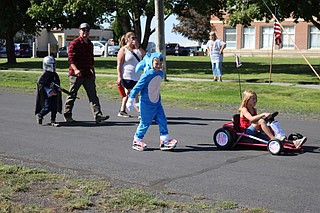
277	33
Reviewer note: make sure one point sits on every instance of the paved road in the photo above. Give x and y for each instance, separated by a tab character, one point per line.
252	178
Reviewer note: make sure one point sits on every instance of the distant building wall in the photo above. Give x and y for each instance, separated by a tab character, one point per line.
256	40
60	38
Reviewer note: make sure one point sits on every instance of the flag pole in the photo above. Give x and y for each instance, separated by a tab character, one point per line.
272	47
238	65
271	59
315	72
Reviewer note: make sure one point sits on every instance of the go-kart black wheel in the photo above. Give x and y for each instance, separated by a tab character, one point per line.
295	136
275	146
223	138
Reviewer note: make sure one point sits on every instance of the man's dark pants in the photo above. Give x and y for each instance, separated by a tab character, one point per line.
90	87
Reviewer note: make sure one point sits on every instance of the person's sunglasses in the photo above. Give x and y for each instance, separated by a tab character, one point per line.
133	38
85	30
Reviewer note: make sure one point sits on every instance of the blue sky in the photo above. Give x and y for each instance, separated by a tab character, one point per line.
169	35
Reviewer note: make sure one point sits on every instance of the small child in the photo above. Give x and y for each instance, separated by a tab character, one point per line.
150	102
254	123
48	97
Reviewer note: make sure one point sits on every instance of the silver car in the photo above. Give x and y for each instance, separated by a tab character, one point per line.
113	50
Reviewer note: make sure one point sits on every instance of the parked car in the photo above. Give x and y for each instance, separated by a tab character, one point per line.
194	51
113	50
99	48
63	52
3	52
176	49
22	50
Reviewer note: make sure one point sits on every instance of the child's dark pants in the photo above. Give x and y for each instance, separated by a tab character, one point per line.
50	104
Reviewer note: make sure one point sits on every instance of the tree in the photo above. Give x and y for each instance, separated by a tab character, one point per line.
14	19
203	7
194	17
69	14
245	11
194	26
129	14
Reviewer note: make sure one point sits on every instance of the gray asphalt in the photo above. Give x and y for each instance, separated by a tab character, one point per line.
250	177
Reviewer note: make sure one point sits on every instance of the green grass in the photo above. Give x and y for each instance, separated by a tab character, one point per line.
254	69
206	95
24	189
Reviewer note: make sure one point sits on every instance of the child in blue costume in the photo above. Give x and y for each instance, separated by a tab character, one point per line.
150	102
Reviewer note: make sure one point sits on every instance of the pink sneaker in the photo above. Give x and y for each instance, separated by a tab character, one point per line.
139	146
168	145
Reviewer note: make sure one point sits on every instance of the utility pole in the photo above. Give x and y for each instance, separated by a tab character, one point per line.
160	34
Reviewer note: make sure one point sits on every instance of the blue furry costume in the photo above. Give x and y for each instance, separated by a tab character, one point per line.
150	100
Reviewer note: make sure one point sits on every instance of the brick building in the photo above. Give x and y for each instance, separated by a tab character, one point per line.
257	39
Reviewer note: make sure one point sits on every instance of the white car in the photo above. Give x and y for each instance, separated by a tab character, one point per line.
99	48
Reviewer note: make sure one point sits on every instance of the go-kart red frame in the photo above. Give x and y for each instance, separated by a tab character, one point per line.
231	135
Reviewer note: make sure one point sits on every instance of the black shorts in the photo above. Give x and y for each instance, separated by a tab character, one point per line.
128	84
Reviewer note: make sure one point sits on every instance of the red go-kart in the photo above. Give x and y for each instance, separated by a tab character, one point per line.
231	135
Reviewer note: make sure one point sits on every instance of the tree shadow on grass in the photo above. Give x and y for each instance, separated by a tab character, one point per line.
191	67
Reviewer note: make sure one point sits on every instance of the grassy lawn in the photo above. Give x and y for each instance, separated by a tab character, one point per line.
254	69
208	95
24	189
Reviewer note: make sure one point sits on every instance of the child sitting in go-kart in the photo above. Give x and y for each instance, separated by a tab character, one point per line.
256	124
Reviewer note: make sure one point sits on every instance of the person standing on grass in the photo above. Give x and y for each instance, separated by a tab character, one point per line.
128	57
81	72
215	51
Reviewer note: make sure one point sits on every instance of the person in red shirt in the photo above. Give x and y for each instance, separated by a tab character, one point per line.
81	72
254	123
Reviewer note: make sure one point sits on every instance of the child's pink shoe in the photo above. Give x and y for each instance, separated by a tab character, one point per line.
139	146
168	145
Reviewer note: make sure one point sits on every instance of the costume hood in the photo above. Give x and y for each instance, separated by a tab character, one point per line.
146	62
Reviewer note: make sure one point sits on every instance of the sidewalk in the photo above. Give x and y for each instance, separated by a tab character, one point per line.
310	86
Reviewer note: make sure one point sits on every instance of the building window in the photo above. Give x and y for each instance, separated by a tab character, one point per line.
267	37
288	37
231	37
314	37
249	37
